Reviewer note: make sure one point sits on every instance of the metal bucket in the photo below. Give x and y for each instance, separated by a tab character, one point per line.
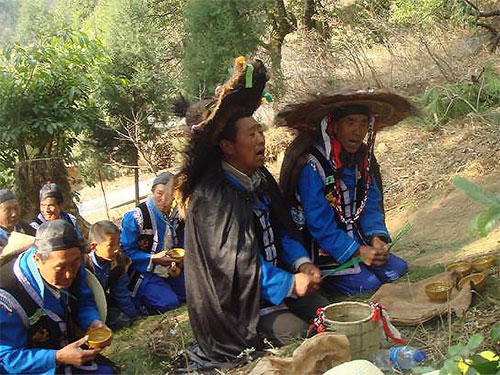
353	319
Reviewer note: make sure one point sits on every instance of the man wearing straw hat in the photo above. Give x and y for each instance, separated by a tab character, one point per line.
42	292
10	213
332	181
247	274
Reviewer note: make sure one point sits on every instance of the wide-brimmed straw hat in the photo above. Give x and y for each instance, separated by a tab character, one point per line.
242	93
388	108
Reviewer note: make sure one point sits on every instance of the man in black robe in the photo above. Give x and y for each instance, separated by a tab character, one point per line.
247	274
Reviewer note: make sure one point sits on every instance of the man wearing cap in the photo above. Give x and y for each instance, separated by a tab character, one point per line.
10	213
42	292
51	207
148	233
332	181
247	274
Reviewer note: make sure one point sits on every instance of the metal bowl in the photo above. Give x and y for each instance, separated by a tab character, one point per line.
99	337
439	291
482	263
461	268
177	254
478	281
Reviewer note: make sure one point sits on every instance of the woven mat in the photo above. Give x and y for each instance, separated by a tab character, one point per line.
408	304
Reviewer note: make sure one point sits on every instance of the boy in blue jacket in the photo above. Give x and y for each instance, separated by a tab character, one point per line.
109	264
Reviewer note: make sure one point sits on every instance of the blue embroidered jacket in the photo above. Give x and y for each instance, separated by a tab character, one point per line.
320	216
15	356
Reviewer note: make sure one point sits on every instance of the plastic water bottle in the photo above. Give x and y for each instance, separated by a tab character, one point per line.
399	357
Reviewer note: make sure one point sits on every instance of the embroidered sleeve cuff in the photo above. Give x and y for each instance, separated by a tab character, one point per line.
150	265
296	265
349	252
290	291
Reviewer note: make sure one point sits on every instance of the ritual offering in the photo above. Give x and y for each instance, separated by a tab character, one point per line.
477	280
99	337
438	291
482	263
461	268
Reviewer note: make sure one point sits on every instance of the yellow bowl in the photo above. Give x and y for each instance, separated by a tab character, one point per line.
462	268
438	291
478	281
177	254
482	263
99	337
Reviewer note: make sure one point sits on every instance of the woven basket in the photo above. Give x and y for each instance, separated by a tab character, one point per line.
353	319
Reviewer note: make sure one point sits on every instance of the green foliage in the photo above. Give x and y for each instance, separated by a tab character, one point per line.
216	32
486	221
47	94
425	13
8	18
450	101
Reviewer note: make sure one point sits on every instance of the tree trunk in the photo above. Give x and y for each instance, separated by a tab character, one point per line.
309	10
136	184
31	175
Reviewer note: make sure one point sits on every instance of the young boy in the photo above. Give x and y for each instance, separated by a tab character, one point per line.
110	264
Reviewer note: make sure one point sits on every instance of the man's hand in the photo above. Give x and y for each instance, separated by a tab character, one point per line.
378	243
96	324
313	271
303	284
162	258
373	256
72	354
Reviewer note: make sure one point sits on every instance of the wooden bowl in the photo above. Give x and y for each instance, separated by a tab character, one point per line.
482	263
99	337
177	254
478	281
439	291
461	268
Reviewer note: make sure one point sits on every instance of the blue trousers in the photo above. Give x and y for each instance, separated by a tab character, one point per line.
370	278
161	295
101	370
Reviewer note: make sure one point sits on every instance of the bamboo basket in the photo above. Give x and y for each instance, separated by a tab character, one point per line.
353	319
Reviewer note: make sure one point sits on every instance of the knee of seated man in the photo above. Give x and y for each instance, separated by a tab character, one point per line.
397	267
370	283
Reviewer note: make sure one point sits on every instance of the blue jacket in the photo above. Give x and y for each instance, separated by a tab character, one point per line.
277	283
320	216
15	357
130	232
63	216
118	290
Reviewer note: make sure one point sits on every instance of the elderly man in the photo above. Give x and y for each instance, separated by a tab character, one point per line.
52	207
42	292
247	275
10	213
332	181
148	233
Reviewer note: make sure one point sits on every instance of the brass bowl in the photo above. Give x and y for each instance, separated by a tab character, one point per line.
99	337
482	263
478	281
177	254
439	291
461	268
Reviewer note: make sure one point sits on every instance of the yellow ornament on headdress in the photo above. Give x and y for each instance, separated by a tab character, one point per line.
240	60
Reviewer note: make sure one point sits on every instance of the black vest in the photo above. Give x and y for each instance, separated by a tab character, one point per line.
42	331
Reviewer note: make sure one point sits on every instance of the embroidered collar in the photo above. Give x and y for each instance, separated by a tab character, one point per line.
249	183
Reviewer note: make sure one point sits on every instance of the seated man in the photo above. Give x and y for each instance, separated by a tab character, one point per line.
51	208
331	179
110	265
247	274
10	213
41	293
148	233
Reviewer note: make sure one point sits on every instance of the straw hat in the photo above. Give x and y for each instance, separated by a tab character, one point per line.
99	296
388	108
18	242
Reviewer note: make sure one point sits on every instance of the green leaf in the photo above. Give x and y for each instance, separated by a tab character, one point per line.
495	333
487	220
473	191
475	340
473	231
455	349
422	370
483	366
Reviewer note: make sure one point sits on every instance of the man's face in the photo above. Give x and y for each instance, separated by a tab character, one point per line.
163	196
108	248
50	209
9	214
351	131
247	152
60	268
